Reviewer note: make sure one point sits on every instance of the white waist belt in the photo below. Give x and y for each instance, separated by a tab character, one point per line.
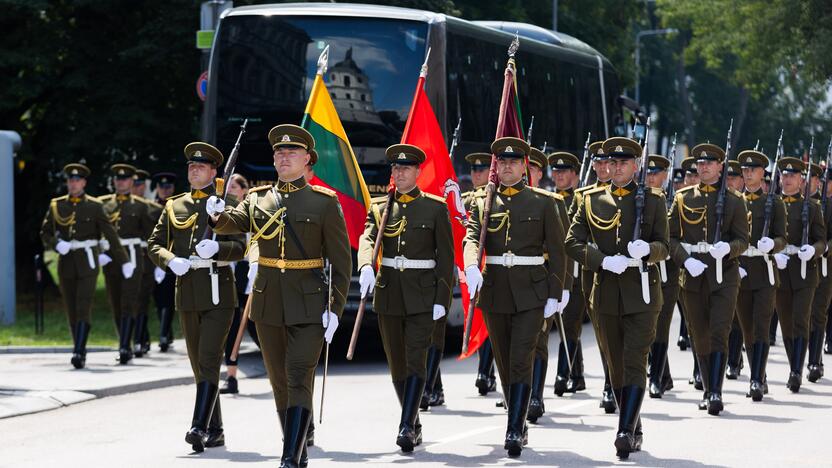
143	244
86	245
633	263
699	247
790	250
509	260
403	263
753	252
199	262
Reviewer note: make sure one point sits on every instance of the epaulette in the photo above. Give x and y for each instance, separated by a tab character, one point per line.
104	198
174	197
433	197
685	189
585	188
545	192
324	190
656	191
594	190
62	198
259	187
735	193
378	199
92	199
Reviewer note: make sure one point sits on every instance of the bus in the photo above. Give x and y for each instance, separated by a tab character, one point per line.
263	63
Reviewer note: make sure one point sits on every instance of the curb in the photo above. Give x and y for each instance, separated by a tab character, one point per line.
51	349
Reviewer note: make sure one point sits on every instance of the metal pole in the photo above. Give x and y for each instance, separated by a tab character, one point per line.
554	15
9	143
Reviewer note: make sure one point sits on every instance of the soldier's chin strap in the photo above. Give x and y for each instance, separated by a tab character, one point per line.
288	228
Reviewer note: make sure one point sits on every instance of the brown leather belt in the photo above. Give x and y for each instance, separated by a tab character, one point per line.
285	264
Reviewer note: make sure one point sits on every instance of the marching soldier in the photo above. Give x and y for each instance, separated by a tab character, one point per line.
735	362
800	272
133	221
659	377
518	290
296	226
823	294
537	161
205	290
691	171
601	166
486	379
710	277
691	177
760	278
164	291
72	226
141	339
414	283
626	306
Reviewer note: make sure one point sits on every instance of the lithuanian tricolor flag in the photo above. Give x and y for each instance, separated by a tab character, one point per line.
337	168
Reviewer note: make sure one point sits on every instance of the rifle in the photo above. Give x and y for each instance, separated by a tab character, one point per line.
769	206
326	352
226	174
641	193
720	200
455	139
671	190
804	212
824	194
39	294
585	164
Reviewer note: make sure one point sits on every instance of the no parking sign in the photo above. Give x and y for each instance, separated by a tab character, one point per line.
202	85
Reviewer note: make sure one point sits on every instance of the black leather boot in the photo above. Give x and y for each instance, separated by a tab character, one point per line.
125	333
763	373
702	367
517	435
684	340
815	366
304	456
165	318
79	353
562	377
607	396
536	406
206	396
437	396
413	388
755	390
138	338
772	330
576	382
630	404
696	380
432	370
216	436
734	355
798	354
485	370
827	347
658	359
294	436
667	379
717	365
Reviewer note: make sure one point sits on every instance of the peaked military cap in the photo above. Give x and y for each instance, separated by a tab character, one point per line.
510	147
657	163
537	158
707	152
817	171
689	166
405	155
621	148
123	171
479	160
678	174
751	158
77	170
560	160
734	169
767	177
596	151
163	178
791	165
200	152
141	174
291	135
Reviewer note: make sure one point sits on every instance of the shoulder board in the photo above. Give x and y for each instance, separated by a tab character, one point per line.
433	197
685	189
815	201
92	199
378	200
543	192
585	188
324	190
735	193
594	190
656	191
103	198
260	187
178	195
466	194
152	203
61	198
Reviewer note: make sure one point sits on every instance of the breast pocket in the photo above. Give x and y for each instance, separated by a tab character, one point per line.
308	225
421	232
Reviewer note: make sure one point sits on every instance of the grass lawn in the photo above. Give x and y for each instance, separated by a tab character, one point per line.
55	326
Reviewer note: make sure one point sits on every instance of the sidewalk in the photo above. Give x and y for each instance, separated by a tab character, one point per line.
36	380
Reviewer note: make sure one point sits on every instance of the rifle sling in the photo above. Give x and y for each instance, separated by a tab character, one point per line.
288	226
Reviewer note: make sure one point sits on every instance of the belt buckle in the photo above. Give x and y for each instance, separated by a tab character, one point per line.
281	263
399	262
508	260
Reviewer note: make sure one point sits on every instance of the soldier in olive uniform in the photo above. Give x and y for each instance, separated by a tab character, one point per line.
626	294
659	377
165	289
519	288
735	361
798	261
823	294
486	379
414	283
72	227
296	226
690	177
134	222
710	278
538	161
205	290
760	278
601	167
141	338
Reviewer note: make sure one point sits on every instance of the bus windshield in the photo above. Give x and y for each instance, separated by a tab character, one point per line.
264	67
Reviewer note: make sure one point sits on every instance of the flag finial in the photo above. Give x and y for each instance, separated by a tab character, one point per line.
515	44
424	72
323	60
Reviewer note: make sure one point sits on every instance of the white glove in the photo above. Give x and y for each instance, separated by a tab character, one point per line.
438	311
781	260
158	275
765	244
550	308
207	248
104	259
62	247
743	273
695	267
366	280
252	273
474	279
615	263
214	205
638	249
179	266
564	300
719	250
806	252
330	322
127	270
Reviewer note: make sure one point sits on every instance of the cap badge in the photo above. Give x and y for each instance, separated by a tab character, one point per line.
509	149
652	163
121	172
560	161
619	149
402	156
74	171
285	138
703	154
197	154
789	166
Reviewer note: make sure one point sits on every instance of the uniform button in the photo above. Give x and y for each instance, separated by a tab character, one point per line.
508	198
404	205
508	238
403	242
307	220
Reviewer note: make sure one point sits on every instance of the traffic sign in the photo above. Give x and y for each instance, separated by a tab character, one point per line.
204	38
202	85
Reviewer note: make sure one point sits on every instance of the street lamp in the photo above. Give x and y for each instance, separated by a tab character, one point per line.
639	35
